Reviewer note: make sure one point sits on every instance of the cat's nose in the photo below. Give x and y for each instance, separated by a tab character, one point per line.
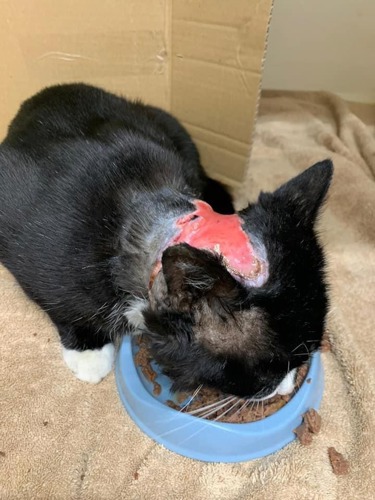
286	386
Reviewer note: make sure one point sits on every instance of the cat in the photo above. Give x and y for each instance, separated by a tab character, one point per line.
92	189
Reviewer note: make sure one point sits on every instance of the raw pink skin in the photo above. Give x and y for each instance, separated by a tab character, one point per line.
221	234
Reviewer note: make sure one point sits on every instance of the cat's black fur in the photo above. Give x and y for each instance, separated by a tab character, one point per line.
90	187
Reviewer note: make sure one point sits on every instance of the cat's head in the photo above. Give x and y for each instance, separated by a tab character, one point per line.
205	327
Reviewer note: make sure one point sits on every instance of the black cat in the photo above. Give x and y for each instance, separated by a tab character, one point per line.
93	188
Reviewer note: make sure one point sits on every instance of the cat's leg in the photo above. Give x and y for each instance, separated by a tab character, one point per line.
88	354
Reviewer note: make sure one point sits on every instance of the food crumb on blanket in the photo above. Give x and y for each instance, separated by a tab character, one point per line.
339	463
313	420
303	434
311	424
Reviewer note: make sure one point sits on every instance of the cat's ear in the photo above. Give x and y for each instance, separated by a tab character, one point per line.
297	201
305	193
191	273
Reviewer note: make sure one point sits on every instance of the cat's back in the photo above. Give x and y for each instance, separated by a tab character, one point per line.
73	111
61	112
65	123
71	145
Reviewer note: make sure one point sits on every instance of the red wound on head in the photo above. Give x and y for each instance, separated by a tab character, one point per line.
222	234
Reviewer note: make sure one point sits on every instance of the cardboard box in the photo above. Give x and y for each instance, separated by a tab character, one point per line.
199	59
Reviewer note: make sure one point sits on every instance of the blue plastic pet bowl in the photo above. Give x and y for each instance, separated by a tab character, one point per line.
208	440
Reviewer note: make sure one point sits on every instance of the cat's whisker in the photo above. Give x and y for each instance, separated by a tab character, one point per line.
192	435
193	421
294	392
242	406
257	406
299	345
208	410
214	410
207	415
308	353
218	418
287	370
247	403
194	395
228	410
219	405
252	406
209	406
175	429
255	396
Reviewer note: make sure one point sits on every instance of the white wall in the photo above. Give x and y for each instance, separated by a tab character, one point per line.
322	45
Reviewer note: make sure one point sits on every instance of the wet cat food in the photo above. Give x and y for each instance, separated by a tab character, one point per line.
313	420
339	463
214	405
311	424
303	434
325	345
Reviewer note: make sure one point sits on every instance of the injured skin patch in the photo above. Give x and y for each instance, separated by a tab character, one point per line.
221	234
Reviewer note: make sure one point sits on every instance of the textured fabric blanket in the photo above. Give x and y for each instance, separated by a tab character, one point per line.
64	439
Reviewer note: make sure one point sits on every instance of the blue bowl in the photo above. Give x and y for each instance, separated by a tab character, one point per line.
208	440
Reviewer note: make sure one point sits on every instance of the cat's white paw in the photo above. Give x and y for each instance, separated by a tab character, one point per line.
91	365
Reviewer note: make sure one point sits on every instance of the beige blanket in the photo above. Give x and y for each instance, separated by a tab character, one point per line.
64	439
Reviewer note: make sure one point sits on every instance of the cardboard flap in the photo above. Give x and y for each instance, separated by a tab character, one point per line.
201	60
